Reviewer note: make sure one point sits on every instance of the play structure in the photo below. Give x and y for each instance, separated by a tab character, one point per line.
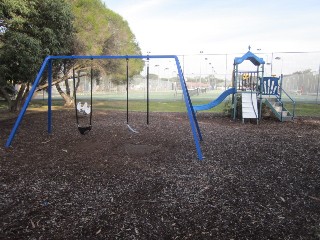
253	89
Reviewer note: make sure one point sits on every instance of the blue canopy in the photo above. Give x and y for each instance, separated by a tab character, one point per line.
249	56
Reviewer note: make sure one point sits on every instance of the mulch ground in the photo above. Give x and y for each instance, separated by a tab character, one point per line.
256	181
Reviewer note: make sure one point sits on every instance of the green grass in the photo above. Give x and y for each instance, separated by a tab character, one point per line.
161	105
307	109
134	105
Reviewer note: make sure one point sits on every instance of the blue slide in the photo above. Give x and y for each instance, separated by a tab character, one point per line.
215	102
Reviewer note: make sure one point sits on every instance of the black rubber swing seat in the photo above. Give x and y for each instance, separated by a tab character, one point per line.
84	130
85	108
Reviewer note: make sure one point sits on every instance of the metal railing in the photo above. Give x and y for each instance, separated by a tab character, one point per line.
292	101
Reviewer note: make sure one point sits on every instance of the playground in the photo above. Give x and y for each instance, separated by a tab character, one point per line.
255	181
139	174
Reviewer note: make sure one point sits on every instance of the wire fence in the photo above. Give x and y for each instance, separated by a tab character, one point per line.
207	75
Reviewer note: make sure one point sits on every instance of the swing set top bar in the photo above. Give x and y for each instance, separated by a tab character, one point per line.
111	57
47	62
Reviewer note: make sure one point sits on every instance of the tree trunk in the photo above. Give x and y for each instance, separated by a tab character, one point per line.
68	100
24	96
6	96
68	91
17	103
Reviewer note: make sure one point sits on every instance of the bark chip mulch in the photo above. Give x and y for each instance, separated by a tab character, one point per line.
256	181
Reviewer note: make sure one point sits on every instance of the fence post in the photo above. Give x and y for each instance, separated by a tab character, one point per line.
318	84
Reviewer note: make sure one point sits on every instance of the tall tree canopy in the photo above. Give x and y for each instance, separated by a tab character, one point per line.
33	29
100	31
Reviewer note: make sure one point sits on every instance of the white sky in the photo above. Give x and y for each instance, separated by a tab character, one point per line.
221	26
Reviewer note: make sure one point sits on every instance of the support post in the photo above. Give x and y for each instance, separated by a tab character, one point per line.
189	110
147	91
235	73
281	80
26	103
127	90
318	84
260	92
49	96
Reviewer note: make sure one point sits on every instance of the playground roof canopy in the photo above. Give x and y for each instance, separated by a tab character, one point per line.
249	56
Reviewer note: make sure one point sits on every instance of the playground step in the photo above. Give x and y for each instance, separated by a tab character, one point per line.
277	108
280	112
286	119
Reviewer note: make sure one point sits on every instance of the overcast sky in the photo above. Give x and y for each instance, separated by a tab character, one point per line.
221	26
183	27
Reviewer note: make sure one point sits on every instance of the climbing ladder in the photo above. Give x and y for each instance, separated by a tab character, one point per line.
272	94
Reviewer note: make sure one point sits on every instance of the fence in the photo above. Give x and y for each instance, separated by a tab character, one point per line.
214	72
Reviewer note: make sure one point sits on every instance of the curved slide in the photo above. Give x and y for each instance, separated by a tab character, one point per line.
215	102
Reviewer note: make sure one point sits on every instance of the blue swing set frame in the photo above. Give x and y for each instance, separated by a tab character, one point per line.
197	136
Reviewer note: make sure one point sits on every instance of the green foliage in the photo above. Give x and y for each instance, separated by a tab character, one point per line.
100	31
91	24
35	29
228	107
21	57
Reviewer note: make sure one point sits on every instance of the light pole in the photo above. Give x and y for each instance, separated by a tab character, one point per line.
211	81
157	66
201	52
225	75
318	84
279	58
271	63
167	76
206	70
215	80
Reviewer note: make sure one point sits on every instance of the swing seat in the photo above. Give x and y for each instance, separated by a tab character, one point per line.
84	130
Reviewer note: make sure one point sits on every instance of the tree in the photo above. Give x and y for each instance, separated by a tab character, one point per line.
37	28
121	42
34	29
100	31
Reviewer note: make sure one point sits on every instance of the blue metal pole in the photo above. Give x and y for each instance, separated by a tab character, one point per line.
26	103
112	57
235	80
192	110
281	80
189	110
49	96
260	90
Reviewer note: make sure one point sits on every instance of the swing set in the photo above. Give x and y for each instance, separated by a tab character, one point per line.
86	109
83	129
